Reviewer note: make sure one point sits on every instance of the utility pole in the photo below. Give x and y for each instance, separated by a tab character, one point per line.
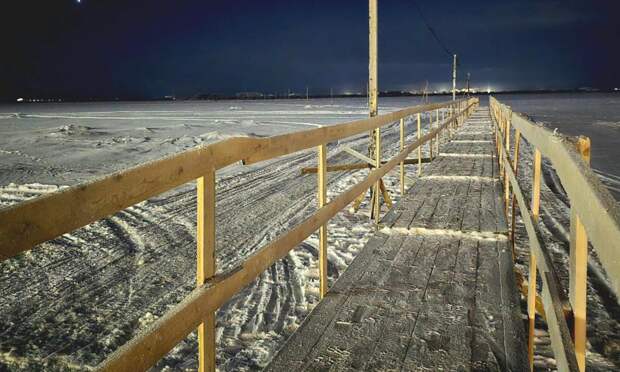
454	78
468	76
372	71
306	92
374	145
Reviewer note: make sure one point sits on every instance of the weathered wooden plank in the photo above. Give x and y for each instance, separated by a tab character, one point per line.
472	210
358	319
441	336
307	335
412	272
436	193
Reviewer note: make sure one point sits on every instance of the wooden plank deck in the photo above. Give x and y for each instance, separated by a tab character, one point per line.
434	289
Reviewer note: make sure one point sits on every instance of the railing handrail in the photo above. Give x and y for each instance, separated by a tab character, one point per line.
554	298
594	203
595	217
24	225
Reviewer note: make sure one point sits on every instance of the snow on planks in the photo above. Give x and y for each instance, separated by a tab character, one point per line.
434	289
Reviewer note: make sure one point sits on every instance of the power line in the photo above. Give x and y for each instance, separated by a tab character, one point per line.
432	30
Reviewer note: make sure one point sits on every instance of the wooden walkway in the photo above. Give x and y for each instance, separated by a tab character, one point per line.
434	289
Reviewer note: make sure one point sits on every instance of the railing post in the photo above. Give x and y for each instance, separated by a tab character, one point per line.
419	147
205	258
437	135
443	120
377	207
322	198
506	181
453	118
402	163
578	282
430	129
502	134
531	292
515	167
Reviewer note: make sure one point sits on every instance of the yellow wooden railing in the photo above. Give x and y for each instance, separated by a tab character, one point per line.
595	217
27	224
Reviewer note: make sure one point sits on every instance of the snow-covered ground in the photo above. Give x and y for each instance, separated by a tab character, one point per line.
77	298
73	300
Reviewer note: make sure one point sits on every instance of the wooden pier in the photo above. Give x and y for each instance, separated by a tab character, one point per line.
434	287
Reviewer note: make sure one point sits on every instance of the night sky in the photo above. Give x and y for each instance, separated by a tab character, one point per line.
148	49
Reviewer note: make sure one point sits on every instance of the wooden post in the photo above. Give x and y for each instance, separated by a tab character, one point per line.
322	198
443	119
205	268
531	292
437	135
377	207
419	147
506	180
373	106
501	134
402	163
497	137
454	77
451	125
430	128
372	70
578	282
515	167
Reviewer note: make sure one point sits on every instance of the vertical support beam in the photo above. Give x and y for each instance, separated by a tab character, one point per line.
373	106
402	163
502	134
430	129
497	139
531	291
437	135
506	181
454	77
372	69
515	168
450	126
377	206
579	269
322	198
419	147
205	268
443	120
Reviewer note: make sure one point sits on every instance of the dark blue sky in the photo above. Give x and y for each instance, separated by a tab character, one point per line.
140	48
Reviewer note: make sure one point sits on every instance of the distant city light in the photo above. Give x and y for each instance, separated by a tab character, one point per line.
488	90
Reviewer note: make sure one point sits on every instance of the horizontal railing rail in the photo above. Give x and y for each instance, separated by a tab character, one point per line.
26	224
595	216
